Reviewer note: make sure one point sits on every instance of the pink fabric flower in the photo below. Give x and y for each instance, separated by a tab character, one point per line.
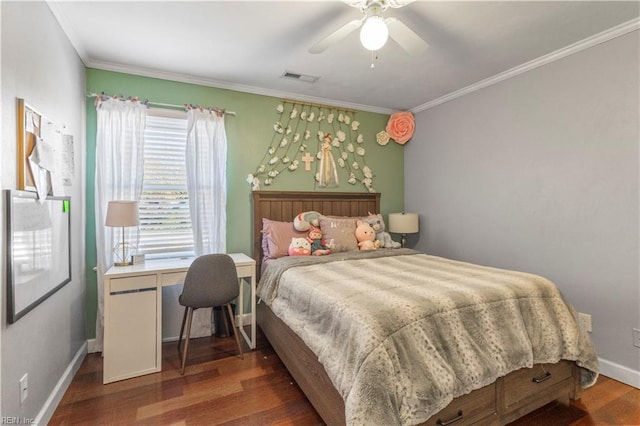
401	126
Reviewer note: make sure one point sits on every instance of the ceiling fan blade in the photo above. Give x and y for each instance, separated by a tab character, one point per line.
405	37
362	4
399	3
336	36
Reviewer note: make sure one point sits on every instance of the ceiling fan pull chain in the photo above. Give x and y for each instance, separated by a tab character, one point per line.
374	56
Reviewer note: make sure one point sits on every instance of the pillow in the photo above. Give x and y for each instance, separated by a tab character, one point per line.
265	244
276	237
342	230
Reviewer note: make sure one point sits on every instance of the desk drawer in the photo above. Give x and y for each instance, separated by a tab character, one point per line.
245	271
172	278
132	283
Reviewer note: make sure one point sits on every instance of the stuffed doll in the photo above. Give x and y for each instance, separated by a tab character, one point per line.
299	247
366	236
376	222
318	245
305	220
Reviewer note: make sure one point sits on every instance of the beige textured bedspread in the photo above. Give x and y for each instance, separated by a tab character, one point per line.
400	336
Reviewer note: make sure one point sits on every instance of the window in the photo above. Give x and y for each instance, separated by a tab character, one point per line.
165	222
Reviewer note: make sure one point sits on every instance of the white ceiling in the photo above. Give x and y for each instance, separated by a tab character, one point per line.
247	46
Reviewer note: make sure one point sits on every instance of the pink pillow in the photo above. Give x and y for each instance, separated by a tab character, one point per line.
276	237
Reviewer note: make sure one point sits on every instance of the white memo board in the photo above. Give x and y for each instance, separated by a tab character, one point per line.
38	249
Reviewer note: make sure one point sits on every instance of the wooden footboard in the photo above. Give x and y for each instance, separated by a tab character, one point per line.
501	402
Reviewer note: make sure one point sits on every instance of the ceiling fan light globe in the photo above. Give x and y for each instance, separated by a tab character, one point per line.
374	33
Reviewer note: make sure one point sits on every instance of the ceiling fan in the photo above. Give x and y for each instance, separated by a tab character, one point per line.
375	29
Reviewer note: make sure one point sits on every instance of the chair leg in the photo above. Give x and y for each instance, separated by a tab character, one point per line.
184	318
186	342
235	332
224	320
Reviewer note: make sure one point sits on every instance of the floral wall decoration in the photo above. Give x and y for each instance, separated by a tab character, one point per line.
400	128
314	138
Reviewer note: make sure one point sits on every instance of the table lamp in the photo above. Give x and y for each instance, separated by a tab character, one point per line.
122	213
403	223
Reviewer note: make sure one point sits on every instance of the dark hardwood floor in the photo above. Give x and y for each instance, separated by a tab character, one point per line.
220	388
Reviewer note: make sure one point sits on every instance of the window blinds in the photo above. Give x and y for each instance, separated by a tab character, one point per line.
165	223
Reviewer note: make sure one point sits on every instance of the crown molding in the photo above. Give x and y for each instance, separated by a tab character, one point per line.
579	46
184	78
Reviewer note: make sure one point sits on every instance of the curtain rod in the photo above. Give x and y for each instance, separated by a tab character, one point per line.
160	104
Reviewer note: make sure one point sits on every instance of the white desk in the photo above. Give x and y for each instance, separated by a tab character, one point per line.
133	313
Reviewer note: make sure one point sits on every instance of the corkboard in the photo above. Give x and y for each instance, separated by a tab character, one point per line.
29	125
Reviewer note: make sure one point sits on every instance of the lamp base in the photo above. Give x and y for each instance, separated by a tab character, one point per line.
121	254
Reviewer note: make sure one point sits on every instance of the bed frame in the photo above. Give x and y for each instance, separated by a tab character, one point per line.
501	402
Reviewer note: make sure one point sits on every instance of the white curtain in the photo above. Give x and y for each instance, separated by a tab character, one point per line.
119	174
206	157
207	180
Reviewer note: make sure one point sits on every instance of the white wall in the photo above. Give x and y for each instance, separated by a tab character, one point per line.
40	65
540	173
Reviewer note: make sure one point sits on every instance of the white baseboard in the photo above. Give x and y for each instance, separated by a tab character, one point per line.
61	387
620	373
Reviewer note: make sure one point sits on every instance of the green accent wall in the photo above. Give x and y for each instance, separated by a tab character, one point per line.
249	135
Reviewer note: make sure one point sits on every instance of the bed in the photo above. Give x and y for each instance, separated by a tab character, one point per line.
346	387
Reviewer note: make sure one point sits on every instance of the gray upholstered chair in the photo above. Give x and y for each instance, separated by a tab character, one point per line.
211	281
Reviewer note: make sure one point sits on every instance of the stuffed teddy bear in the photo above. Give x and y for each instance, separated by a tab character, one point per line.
366	236
318	245
299	247
376	222
305	220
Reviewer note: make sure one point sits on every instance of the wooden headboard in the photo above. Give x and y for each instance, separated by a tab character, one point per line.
283	206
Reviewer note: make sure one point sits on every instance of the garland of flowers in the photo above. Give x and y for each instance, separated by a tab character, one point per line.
338	137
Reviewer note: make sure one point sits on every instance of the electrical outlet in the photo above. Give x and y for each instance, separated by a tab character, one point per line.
24	388
584	320
636	337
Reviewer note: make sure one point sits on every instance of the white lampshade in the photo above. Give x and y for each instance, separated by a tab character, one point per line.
403	223
122	213
374	33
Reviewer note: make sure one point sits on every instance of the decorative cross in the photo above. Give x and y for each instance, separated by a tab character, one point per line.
308	159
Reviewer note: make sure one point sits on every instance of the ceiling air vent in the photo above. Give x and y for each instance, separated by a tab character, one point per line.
300	77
